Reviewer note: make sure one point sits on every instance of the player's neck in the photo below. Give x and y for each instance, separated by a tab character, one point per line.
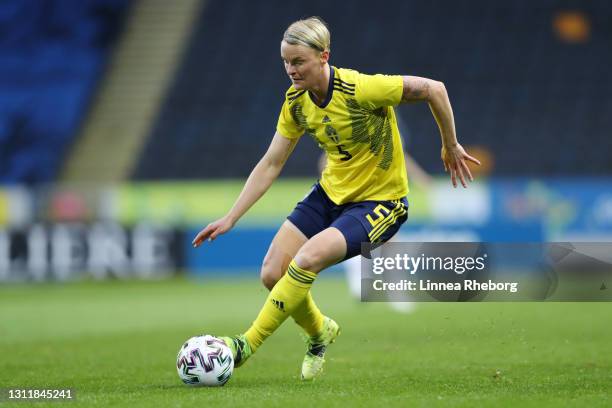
319	91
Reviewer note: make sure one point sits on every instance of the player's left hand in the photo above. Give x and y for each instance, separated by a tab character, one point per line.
454	159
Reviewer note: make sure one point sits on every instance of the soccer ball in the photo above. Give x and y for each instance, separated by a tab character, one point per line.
205	361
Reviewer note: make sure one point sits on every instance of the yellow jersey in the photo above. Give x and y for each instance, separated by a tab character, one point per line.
357	128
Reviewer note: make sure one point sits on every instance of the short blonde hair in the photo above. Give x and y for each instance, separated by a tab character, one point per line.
311	32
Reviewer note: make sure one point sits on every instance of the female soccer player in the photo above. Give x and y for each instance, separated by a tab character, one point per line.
361	196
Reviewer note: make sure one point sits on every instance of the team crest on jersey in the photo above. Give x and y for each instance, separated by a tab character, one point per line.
332	133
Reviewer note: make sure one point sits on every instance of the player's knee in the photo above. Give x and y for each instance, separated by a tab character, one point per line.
269	274
268	280
309	259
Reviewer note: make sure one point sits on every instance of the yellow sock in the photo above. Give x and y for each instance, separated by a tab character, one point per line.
308	316
288	293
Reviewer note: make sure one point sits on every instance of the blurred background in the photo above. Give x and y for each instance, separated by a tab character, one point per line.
126	126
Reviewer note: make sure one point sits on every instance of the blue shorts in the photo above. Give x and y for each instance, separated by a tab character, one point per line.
365	221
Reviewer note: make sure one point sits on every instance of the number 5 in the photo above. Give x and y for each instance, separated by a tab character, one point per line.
379	210
346	155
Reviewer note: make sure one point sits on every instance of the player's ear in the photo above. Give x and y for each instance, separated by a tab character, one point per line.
324	56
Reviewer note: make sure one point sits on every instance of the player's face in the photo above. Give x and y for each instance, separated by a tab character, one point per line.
304	65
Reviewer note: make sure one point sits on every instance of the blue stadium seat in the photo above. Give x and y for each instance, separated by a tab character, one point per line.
51	56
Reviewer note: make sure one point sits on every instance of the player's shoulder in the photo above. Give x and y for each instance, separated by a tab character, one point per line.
371	90
293	94
354	82
345	81
357	78
346	76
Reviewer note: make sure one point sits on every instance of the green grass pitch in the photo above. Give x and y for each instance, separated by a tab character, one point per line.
115	344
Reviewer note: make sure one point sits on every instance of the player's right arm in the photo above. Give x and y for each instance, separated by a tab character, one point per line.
260	179
453	155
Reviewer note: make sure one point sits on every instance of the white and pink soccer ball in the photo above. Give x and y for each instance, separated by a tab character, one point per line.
205	361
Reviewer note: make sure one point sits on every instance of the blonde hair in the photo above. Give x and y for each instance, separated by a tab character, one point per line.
311	32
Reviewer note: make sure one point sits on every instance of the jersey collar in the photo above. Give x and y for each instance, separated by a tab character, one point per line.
330	90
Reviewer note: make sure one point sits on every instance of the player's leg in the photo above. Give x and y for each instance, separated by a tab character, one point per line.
324	249
354	234
311	216
360	222
290	292
285	245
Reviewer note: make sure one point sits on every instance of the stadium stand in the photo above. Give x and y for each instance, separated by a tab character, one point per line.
51	55
541	105
134	85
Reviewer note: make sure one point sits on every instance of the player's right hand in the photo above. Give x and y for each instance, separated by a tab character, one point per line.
212	231
454	159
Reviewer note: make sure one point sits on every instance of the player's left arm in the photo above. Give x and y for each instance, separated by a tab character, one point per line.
417	89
